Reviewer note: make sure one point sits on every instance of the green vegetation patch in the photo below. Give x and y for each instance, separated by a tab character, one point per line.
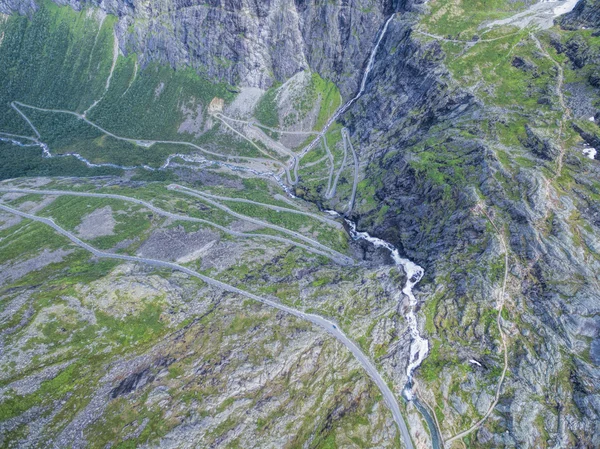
152	105
61	59
131	221
27	239
266	110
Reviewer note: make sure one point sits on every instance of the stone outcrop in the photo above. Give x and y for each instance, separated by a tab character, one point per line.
585	14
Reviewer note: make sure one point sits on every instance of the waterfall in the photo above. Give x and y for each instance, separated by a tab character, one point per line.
350	102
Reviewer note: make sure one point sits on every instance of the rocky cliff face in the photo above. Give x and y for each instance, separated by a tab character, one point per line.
246	42
585	14
436	168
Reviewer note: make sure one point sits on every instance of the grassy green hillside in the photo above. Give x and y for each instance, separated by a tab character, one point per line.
61	59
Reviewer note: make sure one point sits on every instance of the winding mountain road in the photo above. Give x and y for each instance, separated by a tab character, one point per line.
323	219
331	193
339	257
148	143
258	125
331	165
341	261
355	177
327	325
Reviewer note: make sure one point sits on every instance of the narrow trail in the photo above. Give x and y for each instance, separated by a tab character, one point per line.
179	217
563	119
12	105
331	166
321	218
328	326
501	301
341	169
561	99
135	70
355	177
110	74
341	258
89	64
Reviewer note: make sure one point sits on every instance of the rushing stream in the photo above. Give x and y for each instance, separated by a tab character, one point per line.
419	346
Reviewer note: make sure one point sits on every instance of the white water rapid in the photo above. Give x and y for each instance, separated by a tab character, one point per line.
419	346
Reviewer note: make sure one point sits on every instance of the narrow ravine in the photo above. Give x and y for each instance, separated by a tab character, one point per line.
419	346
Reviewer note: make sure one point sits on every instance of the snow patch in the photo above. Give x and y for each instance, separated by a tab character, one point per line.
590	152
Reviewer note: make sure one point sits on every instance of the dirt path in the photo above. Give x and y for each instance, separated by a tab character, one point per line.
563	119
110	73
561	98
501	301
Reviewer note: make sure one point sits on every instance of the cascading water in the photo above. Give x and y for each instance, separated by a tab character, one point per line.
419	346
361	90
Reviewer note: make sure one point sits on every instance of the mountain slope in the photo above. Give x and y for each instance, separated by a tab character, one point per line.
469	150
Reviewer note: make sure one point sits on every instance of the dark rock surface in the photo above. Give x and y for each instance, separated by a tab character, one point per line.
245	42
586	13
